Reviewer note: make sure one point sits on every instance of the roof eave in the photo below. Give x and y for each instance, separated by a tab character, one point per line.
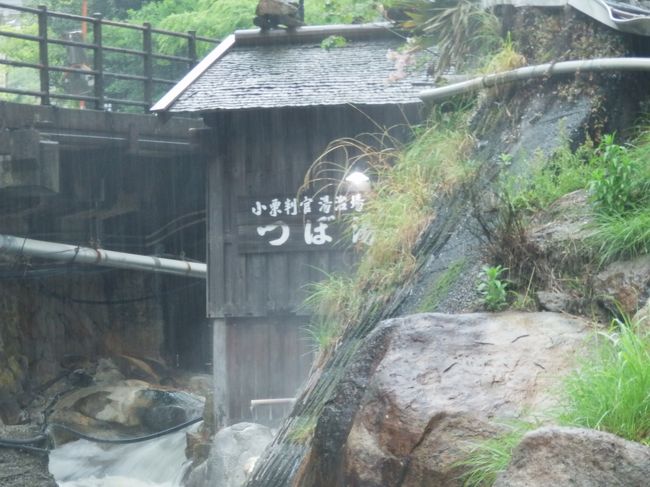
179	88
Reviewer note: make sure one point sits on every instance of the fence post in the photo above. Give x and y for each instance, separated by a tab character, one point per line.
43	57
191	48
98	62
147	47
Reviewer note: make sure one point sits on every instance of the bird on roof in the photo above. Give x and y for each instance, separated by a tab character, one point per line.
270	14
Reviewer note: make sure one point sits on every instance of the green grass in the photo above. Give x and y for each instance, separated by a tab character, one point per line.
333	298
323	334
441	286
487	459
505	59
400	206
620	191
611	389
622	235
565	171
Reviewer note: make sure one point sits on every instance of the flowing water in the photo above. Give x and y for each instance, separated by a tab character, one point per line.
155	463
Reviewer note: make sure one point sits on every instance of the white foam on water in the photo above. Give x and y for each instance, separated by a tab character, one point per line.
155	463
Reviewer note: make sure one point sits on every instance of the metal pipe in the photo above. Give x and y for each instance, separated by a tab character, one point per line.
85	255
540	71
271	402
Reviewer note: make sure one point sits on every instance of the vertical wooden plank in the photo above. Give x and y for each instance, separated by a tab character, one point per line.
237	151
216	195
280	145
234	371
249	354
274	343
258	169
235	287
299	160
324	131
262	373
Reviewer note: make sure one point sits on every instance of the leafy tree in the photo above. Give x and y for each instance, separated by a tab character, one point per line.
218	18
111	9
208	18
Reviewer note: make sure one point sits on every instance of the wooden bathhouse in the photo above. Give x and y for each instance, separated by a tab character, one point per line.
272	102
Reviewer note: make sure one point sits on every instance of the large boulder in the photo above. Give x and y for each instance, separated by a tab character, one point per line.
576	457
423	388
232	457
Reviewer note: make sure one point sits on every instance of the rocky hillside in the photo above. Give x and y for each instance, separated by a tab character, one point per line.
534	210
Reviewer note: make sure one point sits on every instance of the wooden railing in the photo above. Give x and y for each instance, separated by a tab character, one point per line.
100	75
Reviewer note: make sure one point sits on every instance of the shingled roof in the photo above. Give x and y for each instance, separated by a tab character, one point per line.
254	69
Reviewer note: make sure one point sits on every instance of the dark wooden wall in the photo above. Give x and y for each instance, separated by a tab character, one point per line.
266	359
267	153
258	155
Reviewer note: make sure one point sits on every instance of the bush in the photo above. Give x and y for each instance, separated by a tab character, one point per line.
493	289
618	185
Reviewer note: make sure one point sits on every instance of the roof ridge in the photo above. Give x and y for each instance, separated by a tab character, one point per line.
310	33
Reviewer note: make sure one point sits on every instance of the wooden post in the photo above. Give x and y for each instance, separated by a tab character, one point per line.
43	56
216	193
84	26
220	373
191	48
98	62
84	36
147	47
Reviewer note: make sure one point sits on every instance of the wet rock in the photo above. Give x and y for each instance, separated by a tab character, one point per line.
624	285
273	13
129	408
233	454
642	317
10	411
80	378
167	409
72	361
558	234
577	457
428	386
107	373
136	368
551	301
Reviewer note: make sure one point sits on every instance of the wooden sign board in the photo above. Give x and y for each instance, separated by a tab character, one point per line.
306	222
